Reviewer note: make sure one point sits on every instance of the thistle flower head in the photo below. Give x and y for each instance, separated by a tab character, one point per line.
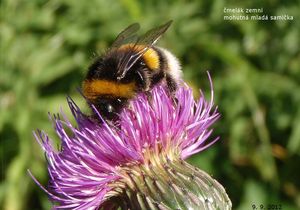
98	162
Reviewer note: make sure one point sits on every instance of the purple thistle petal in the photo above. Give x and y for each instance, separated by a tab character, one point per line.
80	172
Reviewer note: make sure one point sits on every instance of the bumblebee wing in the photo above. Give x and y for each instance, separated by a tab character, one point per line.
153	35
128	35
148	40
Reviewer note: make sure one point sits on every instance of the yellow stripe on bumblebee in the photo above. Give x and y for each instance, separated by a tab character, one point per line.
95	88
150	57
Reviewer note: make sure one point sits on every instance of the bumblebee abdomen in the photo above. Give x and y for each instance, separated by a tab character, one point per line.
171	64
150	56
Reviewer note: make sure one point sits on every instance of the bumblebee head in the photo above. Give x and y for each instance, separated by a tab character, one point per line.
108	107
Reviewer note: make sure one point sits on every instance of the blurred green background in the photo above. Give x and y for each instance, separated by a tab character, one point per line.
46	47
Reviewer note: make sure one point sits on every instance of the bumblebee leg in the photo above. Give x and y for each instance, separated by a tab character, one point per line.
149	97
171	84
172	87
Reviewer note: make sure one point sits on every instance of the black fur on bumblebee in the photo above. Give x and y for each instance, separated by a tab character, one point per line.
132	65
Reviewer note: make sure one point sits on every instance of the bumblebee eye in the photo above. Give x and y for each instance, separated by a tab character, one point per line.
109	108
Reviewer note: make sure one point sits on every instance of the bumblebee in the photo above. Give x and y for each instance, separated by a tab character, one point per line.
132	65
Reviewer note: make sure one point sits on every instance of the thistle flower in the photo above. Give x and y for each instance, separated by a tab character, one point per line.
138	164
